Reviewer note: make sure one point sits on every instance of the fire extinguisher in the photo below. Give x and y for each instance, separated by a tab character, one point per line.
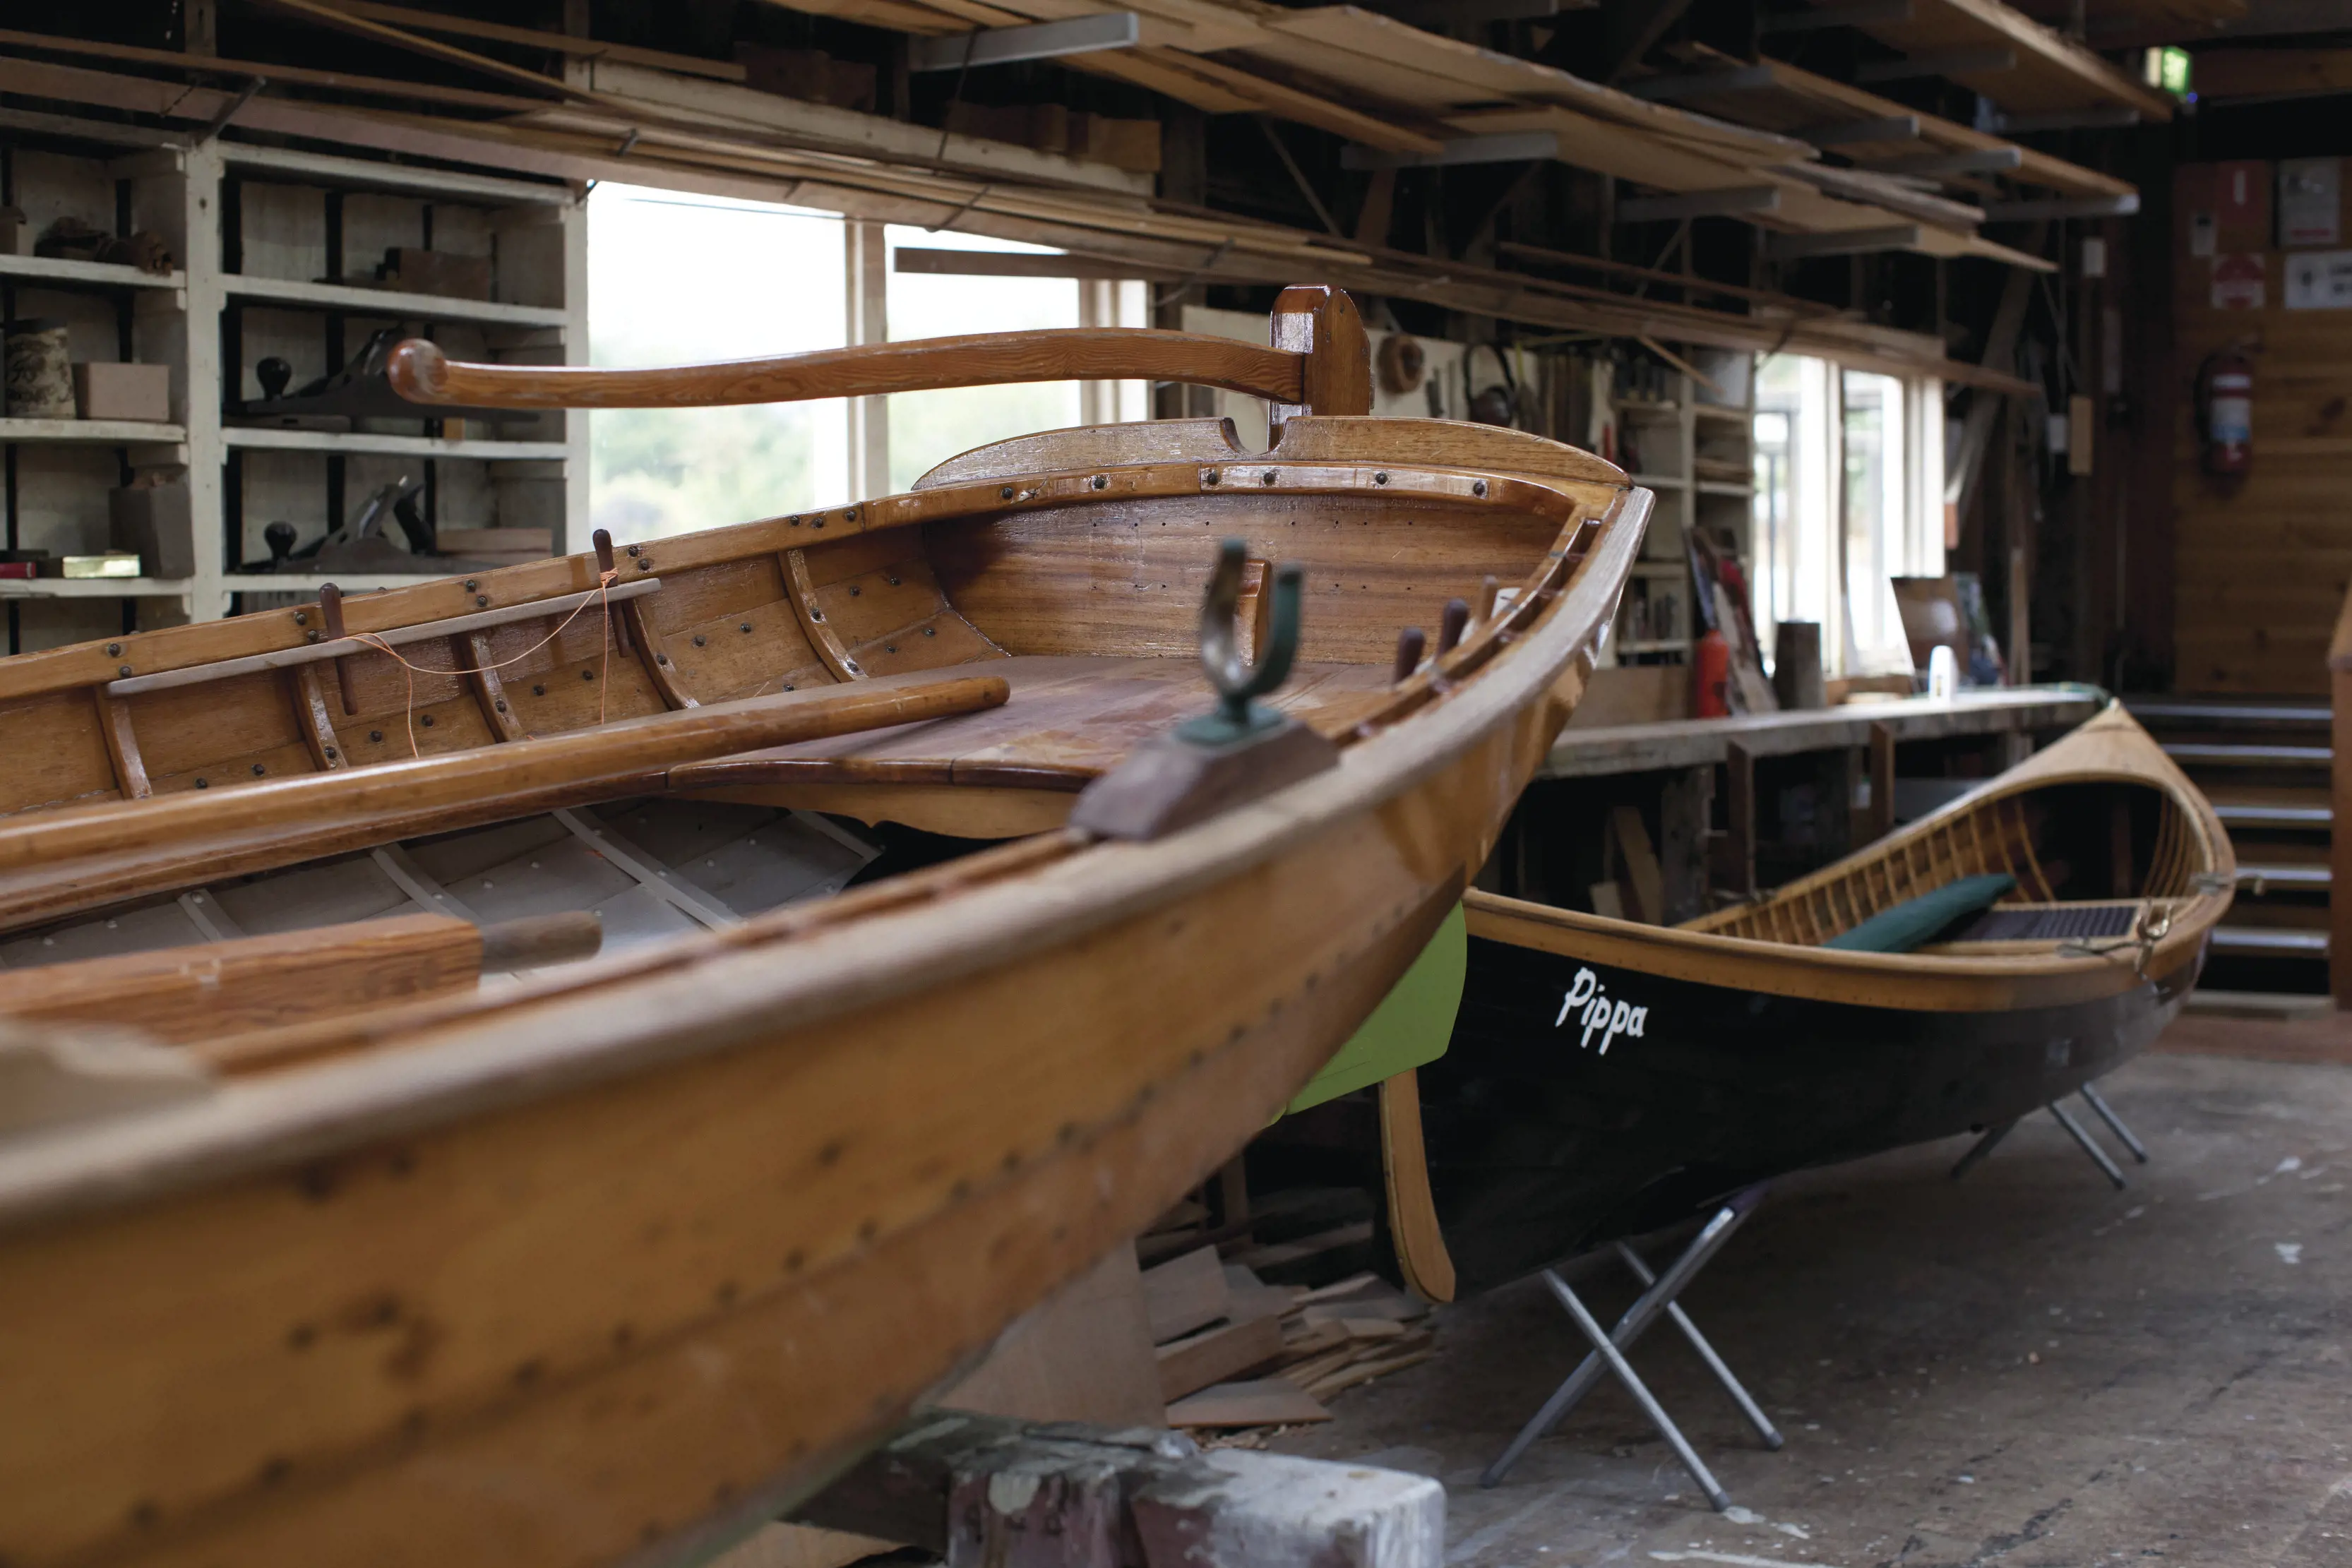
2225	413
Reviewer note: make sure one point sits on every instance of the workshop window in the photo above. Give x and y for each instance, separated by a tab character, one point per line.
675	278
928	428
1827	549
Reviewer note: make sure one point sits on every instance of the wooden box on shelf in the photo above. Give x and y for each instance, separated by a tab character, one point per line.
107	390
157	523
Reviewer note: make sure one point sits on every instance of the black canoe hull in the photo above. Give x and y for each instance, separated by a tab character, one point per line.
1546	1138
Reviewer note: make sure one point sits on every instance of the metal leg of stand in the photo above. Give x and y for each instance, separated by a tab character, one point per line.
1638	1317
1981	1148
1591	1328
2097	1101
2098	1155
1731	1385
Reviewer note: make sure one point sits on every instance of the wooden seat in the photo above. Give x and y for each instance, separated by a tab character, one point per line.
1069	718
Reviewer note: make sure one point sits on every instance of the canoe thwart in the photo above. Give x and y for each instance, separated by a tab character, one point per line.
980	1489
1240	750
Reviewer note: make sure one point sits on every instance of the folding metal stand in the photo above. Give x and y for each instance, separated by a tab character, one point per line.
2097	1103
1608	1353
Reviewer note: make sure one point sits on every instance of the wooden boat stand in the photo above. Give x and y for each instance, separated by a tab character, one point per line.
1608	1353
985	1489
2081	1135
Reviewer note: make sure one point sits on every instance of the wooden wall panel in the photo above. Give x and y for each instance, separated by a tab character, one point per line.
2261	565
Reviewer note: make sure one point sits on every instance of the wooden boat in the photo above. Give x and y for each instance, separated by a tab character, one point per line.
620	1259
1607	1078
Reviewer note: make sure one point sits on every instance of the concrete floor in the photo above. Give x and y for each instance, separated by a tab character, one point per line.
2028	1368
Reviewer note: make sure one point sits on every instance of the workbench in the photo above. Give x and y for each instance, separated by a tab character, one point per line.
1683	814
1703	742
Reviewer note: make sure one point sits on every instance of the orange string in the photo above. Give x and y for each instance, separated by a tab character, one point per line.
604	681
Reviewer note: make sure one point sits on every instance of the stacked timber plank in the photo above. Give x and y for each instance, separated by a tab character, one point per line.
1235	1351
1396	88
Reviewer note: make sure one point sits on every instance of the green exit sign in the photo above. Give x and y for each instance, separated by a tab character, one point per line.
2167	69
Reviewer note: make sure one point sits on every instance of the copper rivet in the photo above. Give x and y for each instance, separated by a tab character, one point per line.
632	549
849	516
539	691
124	670
1379	478
1006	493
1269	475
661	658
300	619
855	591
1478	487
890	647
426	721
471	584
114	650
203	784
891	580
1211	477
701	642
587	674
311	635
645	565
745	628
794	521
258	770
330	751
502	705
482	599
1101	480
930	631
375	735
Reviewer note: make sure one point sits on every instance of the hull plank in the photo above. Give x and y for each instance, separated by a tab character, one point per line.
1542	1146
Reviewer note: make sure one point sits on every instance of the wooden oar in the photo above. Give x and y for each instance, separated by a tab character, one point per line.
55	862
1319	363
199	995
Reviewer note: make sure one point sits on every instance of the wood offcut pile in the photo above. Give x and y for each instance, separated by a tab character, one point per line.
1235	1352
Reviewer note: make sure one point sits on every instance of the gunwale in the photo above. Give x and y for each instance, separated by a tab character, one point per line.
1922	981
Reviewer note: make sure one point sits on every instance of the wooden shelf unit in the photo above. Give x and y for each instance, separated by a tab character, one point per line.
1668	442
253	231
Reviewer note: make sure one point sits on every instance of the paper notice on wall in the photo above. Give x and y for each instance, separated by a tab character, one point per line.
2239	282
2319	280
2309	206
2204	234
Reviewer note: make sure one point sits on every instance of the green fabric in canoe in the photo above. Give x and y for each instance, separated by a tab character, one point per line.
1412	1026
1915	921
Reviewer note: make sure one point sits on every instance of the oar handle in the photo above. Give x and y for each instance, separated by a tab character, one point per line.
1319	364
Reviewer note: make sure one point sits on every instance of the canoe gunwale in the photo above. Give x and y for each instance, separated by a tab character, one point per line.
476	1061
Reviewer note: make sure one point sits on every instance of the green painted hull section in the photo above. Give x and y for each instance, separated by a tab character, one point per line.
1410	1028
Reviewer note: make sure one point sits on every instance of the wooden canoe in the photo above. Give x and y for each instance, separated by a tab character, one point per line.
1697	1060
614	1262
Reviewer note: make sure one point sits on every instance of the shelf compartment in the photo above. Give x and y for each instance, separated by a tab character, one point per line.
65	273
486	450
385	304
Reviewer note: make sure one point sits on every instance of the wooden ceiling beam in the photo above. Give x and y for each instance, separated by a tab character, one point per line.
2272	73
